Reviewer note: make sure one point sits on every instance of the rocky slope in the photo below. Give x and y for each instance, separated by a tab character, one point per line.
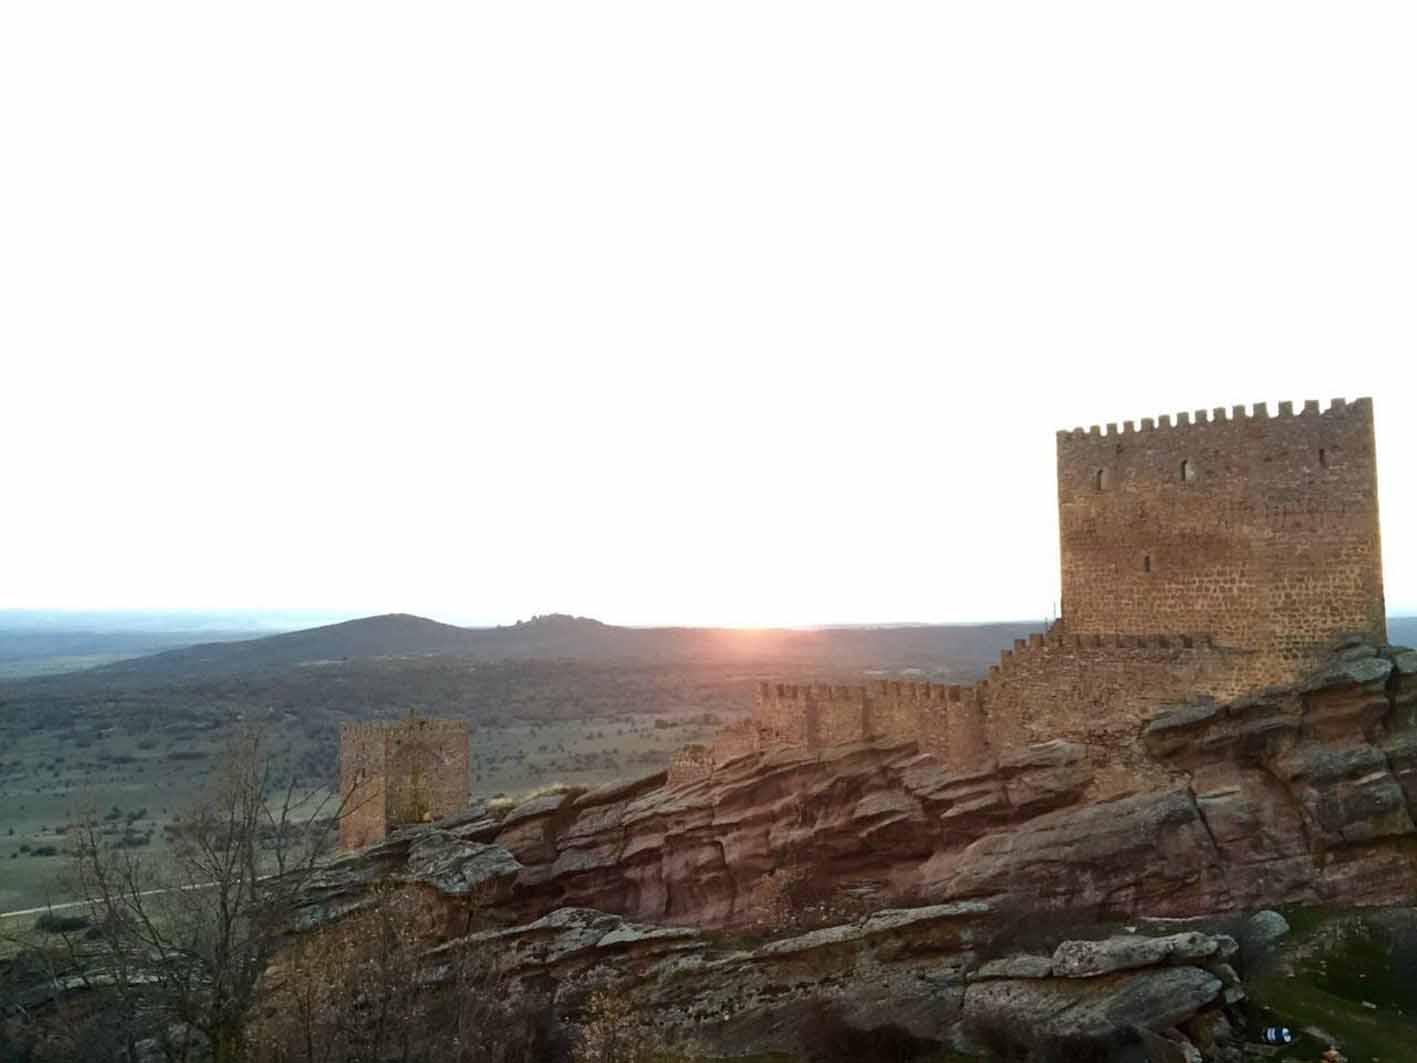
1296	795
917	971
878	884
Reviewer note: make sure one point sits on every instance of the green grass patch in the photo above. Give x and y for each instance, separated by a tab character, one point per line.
1351	975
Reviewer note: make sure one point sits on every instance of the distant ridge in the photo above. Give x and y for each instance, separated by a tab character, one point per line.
559	636
393	634
556	636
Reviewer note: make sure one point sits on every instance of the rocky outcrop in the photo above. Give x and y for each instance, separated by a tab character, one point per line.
1298	795
917	970
910	873
914	969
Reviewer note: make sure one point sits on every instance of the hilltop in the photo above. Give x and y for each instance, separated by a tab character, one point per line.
394	634
401	636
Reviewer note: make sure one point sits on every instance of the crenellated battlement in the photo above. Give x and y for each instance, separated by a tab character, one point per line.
1258	414
689	764
904	689
959	723
408	726
1258	531
1063	643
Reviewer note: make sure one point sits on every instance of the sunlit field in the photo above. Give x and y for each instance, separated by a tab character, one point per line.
138	785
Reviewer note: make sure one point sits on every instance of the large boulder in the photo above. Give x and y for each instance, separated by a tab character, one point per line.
1040	1008
1086	959
1143	849
458	868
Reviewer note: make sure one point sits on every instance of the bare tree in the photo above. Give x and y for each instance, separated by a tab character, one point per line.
185	937
369	989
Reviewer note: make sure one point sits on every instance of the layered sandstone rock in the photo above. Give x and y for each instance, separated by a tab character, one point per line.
916	970
910	874
1295	795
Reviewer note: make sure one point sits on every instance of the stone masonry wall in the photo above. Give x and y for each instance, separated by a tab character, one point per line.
361	784
1100	690
734	741
690	764
399	772
1092	689
427	775
1259	531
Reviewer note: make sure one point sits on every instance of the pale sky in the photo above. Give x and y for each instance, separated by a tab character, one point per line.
745	313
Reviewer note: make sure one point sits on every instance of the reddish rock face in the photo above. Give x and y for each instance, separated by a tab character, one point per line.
1303	794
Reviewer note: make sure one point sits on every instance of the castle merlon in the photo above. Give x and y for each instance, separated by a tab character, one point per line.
1217	416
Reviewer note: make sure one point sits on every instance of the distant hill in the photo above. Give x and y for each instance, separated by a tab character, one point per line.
560	637
396	634
827	653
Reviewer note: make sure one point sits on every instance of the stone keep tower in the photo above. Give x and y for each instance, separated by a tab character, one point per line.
1206	557
1260	532
397	772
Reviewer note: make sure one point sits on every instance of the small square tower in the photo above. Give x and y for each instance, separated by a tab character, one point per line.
396	772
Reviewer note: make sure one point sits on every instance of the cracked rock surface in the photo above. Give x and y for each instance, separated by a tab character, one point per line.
917	969
1299	795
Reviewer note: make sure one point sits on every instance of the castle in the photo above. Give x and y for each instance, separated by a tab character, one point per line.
1206	556
397	772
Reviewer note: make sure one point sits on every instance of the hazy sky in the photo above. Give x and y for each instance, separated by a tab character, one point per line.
709	313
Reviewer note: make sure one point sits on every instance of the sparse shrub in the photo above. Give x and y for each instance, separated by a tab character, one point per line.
613	1033
827	1038
1004	1042
1080	1049
782	896
354	991
50	923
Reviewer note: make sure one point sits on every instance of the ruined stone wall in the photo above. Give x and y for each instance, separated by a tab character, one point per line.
690	764
1259	531
361	784
399	772
736	740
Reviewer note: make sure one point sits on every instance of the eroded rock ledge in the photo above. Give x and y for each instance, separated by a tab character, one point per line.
872	881
918	970
1297	795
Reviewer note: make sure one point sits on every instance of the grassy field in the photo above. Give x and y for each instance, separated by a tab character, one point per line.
140	749
25	669
143	781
